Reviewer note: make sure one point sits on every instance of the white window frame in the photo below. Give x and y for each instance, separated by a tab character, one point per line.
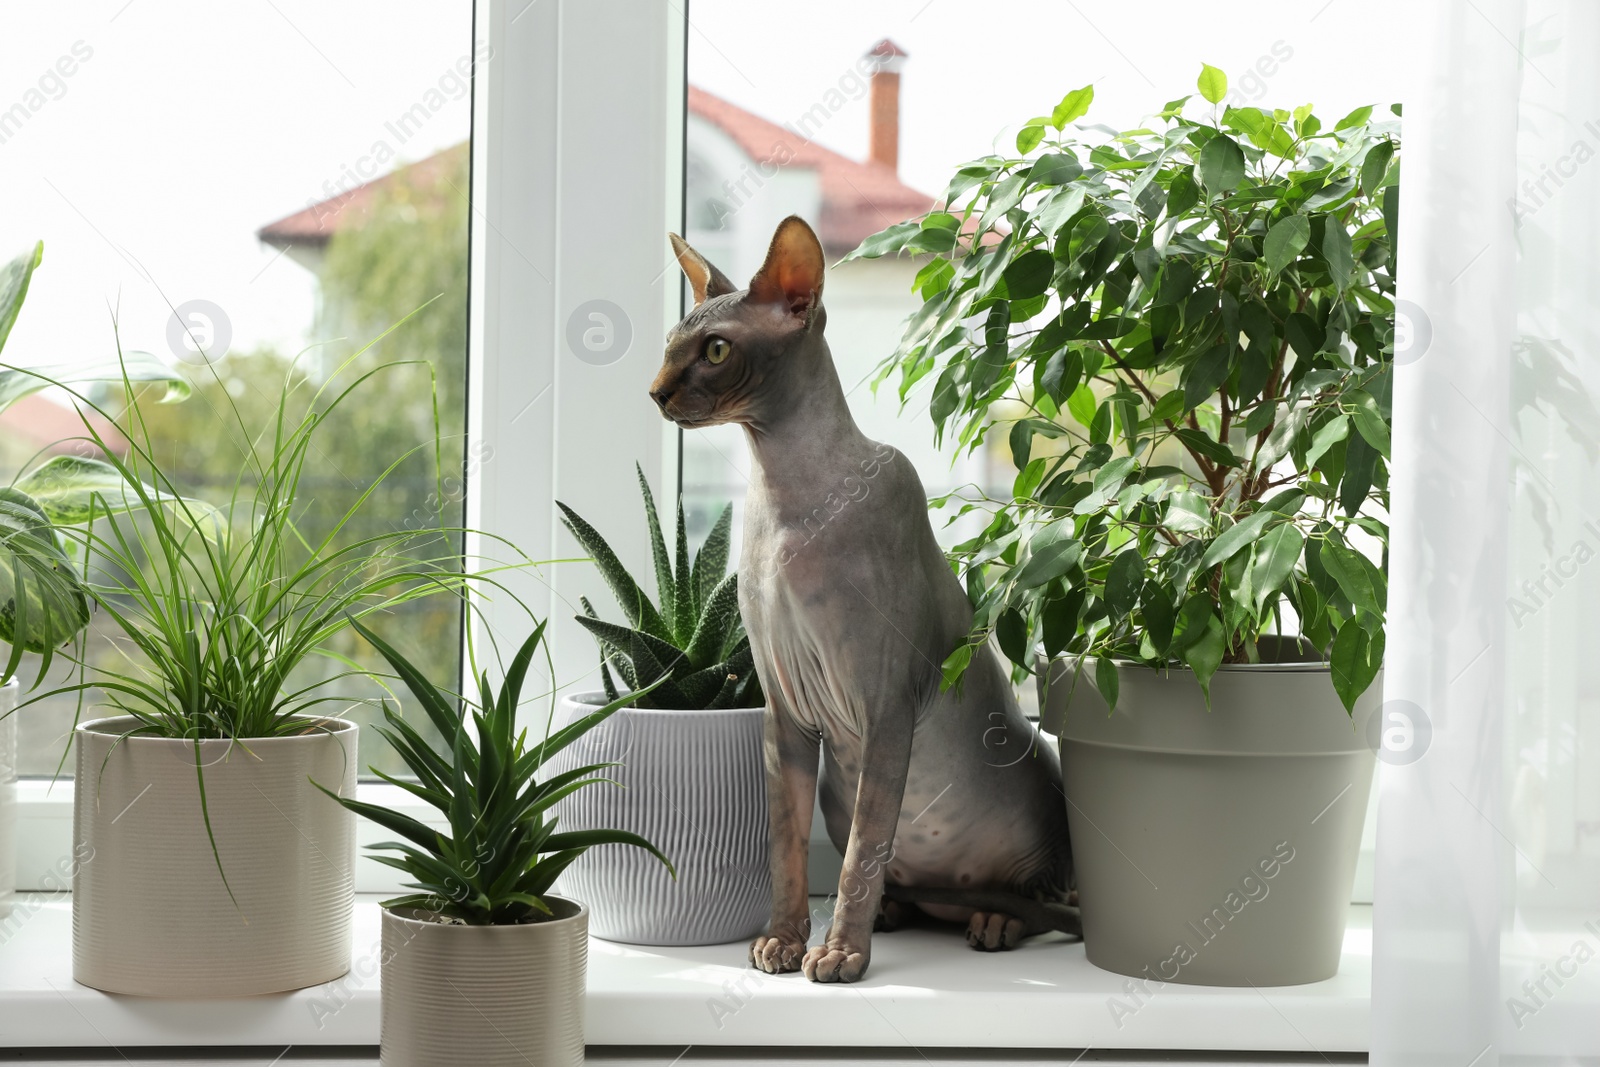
577	168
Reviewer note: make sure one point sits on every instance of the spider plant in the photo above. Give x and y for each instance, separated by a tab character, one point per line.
501	852
42	602
217	606
694	642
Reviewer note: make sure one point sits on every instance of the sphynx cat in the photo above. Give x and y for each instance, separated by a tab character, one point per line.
851	606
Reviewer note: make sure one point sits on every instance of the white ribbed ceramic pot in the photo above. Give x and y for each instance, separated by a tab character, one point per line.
150	914
8	796
694	785
1214	846
490	996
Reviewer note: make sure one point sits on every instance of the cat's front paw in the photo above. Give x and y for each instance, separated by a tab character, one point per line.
776	955
836	963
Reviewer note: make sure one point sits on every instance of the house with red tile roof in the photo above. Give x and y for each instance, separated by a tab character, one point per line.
743	174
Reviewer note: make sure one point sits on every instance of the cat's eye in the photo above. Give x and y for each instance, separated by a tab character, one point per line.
717	350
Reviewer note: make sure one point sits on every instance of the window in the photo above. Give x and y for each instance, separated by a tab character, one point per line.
275	182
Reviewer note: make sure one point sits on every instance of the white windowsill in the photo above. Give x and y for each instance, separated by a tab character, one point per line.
925	989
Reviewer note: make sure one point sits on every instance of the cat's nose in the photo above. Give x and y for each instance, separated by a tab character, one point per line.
661	396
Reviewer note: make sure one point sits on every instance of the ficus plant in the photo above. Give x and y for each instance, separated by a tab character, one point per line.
1181	335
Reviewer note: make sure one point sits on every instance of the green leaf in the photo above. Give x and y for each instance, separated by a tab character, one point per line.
711	562
1159	615
954	666
17	382
1332	432
68	489
1204	654
665	586
1123	582
42	602
1275	556
1055	168
1221	166
1336	250
1360	463
14	279
1073	106
638	608
885	241
1105	680
1237	537
1353	663
1356	118
1345	567
1285	241
1304	335
1051	553
1208	447
1204	376
1011	632
1029	274
1082	404
1369	421
1060	621
1376	166
1029	136
1021	443
1212	83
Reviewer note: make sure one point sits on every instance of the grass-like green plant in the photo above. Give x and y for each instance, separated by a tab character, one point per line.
43	604
1184	332
218	606
694	644
501	852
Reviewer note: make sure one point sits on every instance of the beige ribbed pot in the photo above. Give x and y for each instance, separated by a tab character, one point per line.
484	995
8	796
692	783
150	914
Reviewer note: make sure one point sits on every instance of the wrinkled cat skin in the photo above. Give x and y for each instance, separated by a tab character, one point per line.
851	608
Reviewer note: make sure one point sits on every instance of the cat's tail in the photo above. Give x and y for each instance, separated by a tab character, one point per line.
1038	915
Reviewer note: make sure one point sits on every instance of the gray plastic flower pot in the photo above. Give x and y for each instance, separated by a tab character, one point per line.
490	996
8	797
1213	847
150	913
693	783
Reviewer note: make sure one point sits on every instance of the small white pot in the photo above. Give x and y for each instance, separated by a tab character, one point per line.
150	913
8	796
490	996
694	785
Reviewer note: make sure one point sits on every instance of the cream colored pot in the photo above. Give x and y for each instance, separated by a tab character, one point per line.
484	995
150	912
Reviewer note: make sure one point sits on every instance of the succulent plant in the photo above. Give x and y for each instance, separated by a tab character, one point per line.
501	851
695	639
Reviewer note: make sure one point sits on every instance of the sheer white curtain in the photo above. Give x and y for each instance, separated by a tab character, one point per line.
1487	915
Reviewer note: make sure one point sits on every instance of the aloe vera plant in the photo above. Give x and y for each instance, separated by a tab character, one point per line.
501	852
694	643
43	604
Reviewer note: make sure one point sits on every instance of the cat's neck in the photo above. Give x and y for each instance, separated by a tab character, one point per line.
804	424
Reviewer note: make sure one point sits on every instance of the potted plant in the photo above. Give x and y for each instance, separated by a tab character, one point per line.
42	603
692	746
1184	335
201	777
483	937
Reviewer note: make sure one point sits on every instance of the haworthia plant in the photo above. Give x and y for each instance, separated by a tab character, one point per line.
694	639
1181	336
500	851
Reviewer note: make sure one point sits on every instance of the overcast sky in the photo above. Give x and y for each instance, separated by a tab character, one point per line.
185	126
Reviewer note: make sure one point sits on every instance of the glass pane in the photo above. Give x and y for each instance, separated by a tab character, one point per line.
858	130
275	185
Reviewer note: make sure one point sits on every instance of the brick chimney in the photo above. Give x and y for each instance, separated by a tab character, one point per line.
884	137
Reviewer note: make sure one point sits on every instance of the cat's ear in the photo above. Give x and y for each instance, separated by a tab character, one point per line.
792	273
706	280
